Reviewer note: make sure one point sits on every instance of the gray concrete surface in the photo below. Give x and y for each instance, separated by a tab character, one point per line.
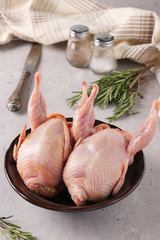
136	217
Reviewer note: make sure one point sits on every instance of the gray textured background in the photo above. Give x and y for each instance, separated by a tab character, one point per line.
137	217
148	5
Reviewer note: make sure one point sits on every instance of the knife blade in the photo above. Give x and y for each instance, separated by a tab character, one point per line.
16	99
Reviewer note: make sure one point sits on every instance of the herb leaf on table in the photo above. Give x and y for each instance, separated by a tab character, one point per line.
118	88
12	231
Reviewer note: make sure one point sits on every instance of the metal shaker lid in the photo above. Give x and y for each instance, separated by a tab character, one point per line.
103	40
79	31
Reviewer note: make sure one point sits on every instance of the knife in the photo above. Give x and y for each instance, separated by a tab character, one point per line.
15	100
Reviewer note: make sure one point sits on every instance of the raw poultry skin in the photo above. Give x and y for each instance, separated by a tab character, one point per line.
98	164
84	118
41	155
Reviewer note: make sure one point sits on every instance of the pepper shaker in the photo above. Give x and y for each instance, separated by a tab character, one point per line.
79	49
103	59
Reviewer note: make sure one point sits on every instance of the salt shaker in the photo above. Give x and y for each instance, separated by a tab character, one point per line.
103	59
79	49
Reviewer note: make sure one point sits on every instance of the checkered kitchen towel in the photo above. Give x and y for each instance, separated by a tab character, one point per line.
136	31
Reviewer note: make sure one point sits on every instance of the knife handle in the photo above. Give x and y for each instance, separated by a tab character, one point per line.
15	100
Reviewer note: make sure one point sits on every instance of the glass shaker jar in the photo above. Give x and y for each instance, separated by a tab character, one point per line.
79	49
103	59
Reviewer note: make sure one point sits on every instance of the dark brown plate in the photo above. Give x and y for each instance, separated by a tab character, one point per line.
63	201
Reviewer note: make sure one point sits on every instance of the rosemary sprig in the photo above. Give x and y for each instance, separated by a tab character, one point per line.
119	88
12	231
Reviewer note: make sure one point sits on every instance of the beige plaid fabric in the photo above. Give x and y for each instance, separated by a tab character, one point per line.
136	31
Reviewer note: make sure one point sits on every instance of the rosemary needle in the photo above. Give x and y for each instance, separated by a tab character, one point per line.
12	231
118	88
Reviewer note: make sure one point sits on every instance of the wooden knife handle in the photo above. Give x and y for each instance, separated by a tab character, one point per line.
16	99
